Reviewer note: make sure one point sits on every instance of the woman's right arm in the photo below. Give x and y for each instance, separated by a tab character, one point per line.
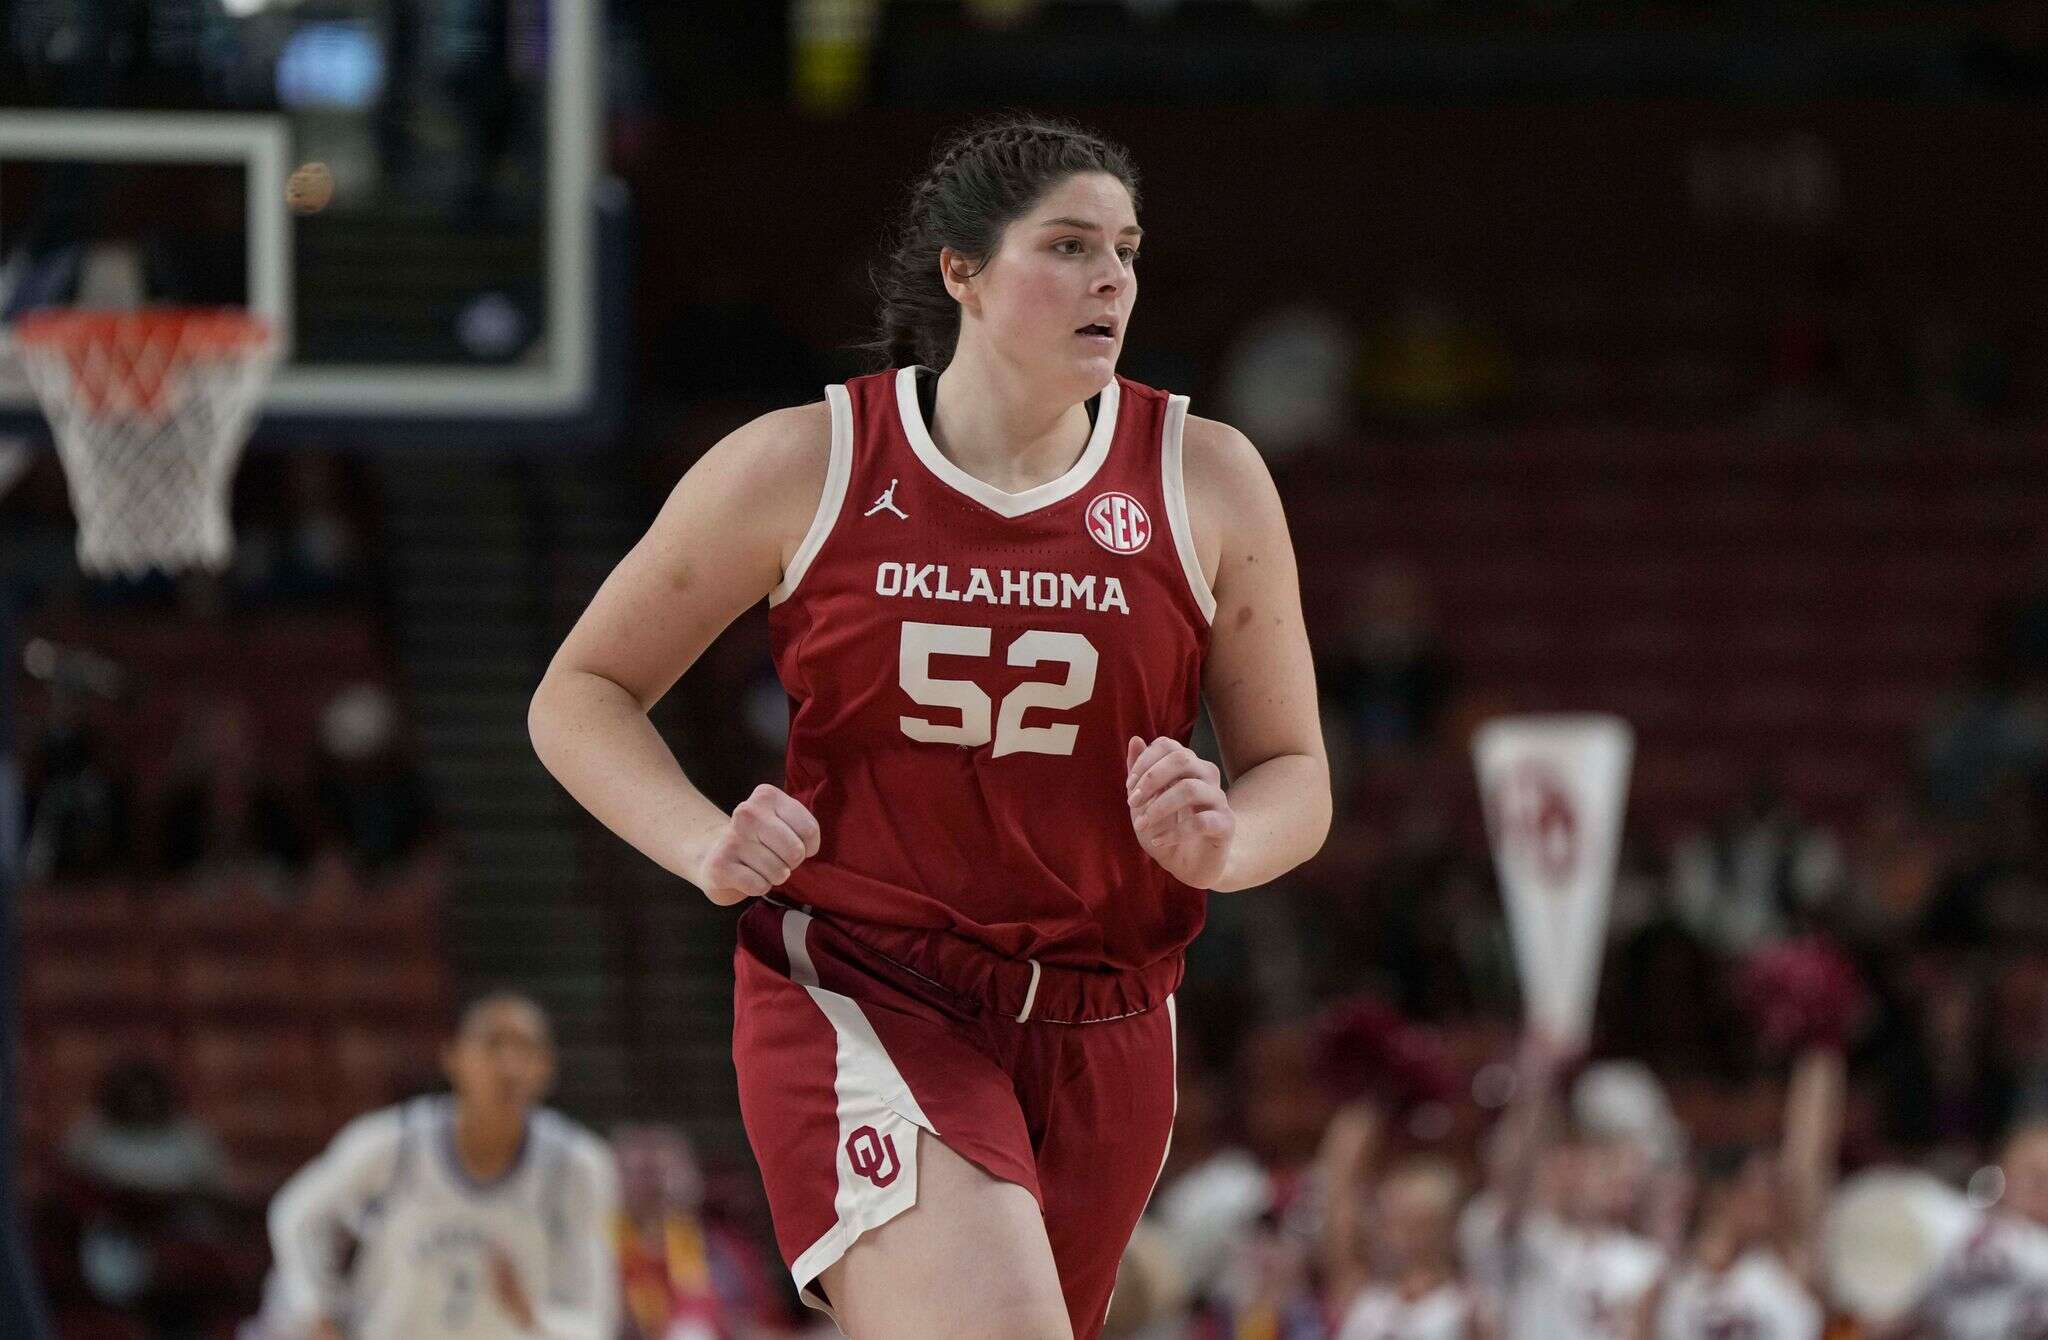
720	544
309	1215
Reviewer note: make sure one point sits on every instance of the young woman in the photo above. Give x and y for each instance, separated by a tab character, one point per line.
1003	580
483	1213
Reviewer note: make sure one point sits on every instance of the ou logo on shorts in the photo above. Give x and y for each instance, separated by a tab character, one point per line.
873	1155
1118	523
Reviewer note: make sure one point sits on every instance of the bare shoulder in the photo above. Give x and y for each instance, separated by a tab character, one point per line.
782	451
1230	490
770	470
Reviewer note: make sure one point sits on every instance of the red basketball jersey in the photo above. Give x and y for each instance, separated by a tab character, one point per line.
965	667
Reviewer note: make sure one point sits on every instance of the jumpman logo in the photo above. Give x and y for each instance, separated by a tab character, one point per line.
888	501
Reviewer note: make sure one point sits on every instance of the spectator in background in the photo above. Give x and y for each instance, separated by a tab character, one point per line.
1991	732
1993	1284
1390	1268
1756	874
1893	863
1988	890
370	799
79	808
685	1278
1389	676
1553	1237
1752	1263
313	552
224	818
139	1214
1287	379
135	1139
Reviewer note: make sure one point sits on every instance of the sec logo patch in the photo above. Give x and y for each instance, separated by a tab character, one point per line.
1118	523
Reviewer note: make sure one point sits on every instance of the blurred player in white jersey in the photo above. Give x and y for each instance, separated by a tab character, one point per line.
476	1214
1994	1284
1749	1268
1390	1266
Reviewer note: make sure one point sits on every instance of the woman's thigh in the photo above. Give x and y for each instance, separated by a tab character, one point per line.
969	1260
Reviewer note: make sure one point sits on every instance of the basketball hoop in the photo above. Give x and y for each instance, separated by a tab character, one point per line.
150	409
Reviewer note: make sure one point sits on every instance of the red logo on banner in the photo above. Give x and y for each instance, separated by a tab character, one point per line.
1532	811
873	1155
1118	523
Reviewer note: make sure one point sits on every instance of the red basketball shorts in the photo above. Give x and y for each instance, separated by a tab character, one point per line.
848	1038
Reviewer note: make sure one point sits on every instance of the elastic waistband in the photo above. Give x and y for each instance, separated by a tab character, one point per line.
1021	989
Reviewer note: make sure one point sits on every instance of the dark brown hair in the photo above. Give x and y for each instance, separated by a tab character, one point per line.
982	179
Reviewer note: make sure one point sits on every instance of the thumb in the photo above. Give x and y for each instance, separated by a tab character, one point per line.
1131	752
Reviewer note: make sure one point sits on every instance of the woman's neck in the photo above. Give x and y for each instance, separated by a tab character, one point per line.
996	428
487	1142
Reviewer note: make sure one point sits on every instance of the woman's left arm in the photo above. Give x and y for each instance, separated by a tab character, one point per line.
1274	811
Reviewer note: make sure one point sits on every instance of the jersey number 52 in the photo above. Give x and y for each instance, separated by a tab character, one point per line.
922	641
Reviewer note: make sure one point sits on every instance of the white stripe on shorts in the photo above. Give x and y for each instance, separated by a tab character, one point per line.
878	1119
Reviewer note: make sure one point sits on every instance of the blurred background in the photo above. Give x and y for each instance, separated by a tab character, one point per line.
1683	361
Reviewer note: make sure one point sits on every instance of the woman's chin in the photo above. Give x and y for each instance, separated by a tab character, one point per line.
1096	366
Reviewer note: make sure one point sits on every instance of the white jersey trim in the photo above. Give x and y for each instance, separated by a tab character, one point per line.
988	495
1173	480
838	472
873	1097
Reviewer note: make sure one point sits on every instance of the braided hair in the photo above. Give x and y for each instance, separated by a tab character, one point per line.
982	179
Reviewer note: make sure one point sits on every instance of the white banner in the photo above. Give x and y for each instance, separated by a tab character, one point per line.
1554	788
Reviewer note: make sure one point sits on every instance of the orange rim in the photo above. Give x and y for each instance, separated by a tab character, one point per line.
138	349
198	330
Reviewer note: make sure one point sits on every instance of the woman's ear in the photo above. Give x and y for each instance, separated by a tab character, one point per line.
957	273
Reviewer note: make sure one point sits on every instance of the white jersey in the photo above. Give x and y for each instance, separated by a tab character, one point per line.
1992	1286
1554	1280
1756	1298
426	1232
1380	1313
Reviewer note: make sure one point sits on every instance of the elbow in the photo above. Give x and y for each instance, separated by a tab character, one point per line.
540	718
543	722
1321	808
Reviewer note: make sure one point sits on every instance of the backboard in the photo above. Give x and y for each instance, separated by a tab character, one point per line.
452	274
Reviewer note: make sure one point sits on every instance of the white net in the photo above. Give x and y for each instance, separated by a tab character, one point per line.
150	410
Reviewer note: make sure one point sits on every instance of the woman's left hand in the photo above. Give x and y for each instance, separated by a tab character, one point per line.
1178	810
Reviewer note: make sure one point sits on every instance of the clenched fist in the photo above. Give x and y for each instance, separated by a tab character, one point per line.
768	836
1178	810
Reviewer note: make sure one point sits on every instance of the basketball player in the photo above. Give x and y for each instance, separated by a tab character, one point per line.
1390	1263
1994	1283
476	1215
1003	580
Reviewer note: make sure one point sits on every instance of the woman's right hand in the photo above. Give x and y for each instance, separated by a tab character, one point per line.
767	837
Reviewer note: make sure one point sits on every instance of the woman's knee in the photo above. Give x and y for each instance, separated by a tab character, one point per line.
970	1259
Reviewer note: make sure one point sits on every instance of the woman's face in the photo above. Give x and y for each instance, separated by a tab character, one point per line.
1065	265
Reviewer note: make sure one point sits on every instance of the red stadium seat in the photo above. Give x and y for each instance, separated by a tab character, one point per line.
411	989
244	985
115	982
